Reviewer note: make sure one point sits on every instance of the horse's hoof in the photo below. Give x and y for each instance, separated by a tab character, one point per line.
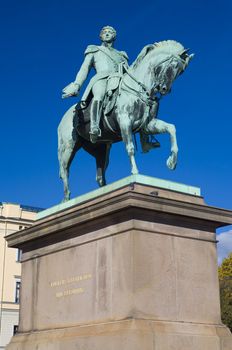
171	164
64	200
101	183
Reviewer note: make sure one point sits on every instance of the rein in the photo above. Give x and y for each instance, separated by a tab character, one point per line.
147	96
144	96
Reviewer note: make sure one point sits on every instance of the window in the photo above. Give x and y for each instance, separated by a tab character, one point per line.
15	330
18	255
17	292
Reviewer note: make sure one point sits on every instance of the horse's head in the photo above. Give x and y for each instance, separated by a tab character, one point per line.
169	69
166	61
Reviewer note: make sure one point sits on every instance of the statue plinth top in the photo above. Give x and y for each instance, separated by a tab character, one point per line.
127	181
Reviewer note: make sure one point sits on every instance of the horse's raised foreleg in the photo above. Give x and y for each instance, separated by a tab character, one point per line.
126	132
157	126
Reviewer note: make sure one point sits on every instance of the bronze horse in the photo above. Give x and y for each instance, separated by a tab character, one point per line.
135	110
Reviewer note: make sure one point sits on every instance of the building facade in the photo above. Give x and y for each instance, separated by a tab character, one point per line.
13	217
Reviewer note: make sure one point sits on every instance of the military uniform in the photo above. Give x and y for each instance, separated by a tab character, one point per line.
108	64
105	60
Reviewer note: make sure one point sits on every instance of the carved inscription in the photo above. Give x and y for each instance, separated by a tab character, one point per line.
70	280
69	292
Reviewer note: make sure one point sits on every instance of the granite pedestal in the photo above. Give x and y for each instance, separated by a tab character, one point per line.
131	266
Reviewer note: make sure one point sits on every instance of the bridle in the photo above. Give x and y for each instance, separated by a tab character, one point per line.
159	76
145	94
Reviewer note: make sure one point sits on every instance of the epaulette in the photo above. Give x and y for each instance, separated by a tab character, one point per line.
124	54
91	49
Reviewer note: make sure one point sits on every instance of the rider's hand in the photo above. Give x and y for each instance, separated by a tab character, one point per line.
69	95
71	90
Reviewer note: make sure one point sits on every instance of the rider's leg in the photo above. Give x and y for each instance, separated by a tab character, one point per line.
98	91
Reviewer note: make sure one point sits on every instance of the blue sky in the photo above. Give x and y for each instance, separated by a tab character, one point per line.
42	44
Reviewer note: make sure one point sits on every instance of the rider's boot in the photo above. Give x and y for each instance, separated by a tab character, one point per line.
95	114
146	144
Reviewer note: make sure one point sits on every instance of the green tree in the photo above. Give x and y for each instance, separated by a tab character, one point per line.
225	280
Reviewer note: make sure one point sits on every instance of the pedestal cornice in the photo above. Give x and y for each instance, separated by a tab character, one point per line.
135	201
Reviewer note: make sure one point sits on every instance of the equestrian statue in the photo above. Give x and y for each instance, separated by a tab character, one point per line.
119	101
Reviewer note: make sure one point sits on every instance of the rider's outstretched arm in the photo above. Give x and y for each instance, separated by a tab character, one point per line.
84	70
73	89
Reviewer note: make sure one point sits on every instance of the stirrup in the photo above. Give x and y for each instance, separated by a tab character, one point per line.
148	146
94	134
95	131
154	144
93	138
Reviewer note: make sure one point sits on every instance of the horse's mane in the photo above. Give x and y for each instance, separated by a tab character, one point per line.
166	46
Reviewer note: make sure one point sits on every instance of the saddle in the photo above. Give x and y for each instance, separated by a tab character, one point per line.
111	95
110	99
